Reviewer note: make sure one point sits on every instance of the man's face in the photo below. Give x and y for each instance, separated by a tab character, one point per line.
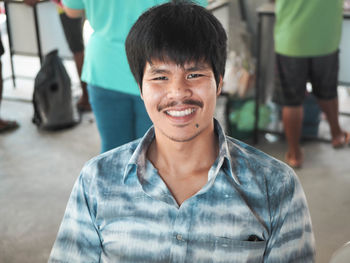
180	100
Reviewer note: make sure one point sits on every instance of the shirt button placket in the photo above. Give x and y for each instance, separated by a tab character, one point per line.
178	250
179	247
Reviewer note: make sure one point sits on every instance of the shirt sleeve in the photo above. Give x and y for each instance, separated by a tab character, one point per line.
203	3
77	239
74	4
291	238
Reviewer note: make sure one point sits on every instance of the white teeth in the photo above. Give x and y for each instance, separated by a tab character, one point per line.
180	113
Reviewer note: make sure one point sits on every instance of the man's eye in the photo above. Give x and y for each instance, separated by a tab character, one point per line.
194	75
160	78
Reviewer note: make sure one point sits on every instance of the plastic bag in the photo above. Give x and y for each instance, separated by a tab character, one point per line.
52	98
239	76
244	116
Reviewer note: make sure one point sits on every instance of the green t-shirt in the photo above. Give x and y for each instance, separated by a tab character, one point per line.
105	62
308	27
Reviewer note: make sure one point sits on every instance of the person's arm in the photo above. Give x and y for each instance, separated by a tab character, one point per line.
31	2
73	8
291	238
73	13
77	239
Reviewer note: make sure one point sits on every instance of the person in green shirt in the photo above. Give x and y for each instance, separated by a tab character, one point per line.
307	36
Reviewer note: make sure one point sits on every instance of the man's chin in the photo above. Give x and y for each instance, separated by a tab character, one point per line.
184	138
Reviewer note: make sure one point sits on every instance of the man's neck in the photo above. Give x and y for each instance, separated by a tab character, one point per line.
184	166
183	158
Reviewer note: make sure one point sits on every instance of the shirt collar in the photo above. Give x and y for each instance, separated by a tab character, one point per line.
138	158
224	161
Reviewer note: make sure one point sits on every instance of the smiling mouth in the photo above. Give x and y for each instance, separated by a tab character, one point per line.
180	113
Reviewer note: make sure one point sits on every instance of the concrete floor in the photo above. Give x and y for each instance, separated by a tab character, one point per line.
38	169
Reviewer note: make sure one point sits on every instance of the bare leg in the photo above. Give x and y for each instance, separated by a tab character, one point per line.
0	82
292	122
83	103
5	125
331	110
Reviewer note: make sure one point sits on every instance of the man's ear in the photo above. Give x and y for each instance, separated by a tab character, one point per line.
219	89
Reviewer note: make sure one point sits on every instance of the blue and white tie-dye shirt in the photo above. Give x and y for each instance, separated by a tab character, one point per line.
252	209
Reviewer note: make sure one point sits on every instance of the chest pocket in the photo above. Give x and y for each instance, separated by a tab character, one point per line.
229	250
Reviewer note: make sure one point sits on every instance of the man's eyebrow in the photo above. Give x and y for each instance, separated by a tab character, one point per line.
156	70
191	68
197	68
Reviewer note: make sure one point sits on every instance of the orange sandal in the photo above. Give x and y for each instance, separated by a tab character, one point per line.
7	126
344	141
296	164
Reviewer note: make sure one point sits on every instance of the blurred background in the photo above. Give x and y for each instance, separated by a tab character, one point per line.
38	167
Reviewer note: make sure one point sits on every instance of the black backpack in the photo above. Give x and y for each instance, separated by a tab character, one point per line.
52	98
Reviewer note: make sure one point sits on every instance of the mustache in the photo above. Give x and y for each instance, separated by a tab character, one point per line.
184	102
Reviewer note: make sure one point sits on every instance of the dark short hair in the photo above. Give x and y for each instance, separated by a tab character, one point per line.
180	31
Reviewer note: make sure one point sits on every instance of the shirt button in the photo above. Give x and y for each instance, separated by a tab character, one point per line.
179	237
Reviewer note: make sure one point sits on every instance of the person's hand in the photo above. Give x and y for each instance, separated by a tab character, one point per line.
30	2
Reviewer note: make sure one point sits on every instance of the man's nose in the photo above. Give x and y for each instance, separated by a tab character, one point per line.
179	89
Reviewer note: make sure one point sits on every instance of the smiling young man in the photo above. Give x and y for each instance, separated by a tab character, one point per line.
185	192
180	100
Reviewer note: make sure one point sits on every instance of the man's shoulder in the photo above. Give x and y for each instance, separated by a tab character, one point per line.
253	166
111	163
255	160
245	149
